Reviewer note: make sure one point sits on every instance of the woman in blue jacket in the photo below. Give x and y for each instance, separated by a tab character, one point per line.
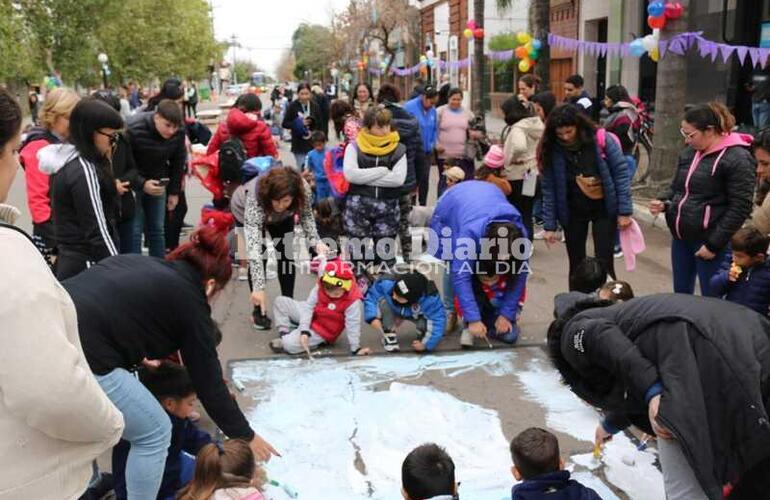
477	212
585	180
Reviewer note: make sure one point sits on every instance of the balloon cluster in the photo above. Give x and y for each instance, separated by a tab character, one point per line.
528	50
473	31
658	13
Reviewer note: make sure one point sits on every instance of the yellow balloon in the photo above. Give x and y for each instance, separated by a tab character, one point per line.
529	47
468	33
523	37
524	65
655	54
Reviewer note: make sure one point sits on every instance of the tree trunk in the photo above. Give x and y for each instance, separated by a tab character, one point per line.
539	26
670	99
478	61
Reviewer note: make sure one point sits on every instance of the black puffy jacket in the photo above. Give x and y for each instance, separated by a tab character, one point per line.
156	157
711	194
712	358
410	135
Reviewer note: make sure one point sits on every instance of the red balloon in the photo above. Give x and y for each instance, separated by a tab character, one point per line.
656	23
478	33
674	10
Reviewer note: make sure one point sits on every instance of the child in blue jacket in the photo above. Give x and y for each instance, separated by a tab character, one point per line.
747	281
171	385
315	163
409	296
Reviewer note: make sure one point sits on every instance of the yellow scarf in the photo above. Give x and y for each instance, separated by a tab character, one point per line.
376	145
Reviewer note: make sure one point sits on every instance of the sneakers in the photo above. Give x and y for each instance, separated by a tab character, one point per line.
451	323
243	274
617	252
390	342
539	234
466	339
276	345
261	321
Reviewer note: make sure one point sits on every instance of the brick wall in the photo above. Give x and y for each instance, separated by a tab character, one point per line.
426	21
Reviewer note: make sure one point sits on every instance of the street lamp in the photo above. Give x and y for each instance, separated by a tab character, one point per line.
102	58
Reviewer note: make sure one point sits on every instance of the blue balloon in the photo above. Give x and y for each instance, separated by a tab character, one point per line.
656	9
537	44
636	48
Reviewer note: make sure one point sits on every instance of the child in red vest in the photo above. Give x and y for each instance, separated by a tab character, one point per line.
333	305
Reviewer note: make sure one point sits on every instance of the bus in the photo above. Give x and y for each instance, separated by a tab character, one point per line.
259	80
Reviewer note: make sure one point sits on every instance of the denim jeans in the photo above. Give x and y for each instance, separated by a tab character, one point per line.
760	111
150	211
299	159
686	267
148	429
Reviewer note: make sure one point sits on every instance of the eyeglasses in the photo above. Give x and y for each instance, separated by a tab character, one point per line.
113	136
686	135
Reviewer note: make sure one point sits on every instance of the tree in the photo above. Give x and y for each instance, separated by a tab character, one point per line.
670	98
285	70
313	49
539	27
504	70
478	61
19	59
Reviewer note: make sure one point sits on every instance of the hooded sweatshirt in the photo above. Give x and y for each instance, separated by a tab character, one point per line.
38	196
520	148
84	202
711	194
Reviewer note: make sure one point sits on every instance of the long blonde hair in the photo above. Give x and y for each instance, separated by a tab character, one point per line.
219	466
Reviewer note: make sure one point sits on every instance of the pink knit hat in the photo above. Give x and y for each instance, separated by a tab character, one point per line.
494	157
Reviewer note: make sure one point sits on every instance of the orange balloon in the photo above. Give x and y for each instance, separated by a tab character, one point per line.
522	52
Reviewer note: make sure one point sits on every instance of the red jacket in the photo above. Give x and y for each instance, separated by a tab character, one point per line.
38	183
329	314
254	133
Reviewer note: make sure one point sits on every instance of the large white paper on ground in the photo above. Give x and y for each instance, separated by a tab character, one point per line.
344	427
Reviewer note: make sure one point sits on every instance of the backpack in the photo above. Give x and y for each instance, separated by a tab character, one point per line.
333	164
232	156
601	141
254	167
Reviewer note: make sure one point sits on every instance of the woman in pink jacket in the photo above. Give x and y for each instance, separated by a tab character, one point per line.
453	134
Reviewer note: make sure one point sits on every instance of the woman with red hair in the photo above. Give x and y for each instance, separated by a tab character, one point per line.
131	308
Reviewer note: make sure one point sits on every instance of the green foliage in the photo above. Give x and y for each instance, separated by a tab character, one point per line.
313	49
143	39
504	70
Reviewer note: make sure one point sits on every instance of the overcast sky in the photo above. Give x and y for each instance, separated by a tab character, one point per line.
264	27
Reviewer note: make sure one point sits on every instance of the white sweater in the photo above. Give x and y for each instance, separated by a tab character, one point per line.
54	417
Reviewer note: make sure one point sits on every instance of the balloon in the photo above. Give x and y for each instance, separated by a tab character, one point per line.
525	65
468	33
636	48
429	54
656	22
649	42
471	24
537	44
423	59
478	33
674	10
655	54
533	54
521	52
656	9
529	46
523	37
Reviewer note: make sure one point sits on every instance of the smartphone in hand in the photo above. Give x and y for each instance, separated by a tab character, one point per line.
164	182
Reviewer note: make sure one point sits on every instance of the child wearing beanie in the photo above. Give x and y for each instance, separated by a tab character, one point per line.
492	169
333	305
453	176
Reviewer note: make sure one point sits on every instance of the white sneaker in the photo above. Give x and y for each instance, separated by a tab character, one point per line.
466	339
243	274
563	238
539	234
390	342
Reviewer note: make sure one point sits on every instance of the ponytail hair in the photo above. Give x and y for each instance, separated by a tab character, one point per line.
208	252
223	465
711	115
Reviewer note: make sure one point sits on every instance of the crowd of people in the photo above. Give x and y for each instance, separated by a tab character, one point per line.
126	342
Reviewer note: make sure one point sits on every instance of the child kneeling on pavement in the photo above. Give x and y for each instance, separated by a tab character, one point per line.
334	305
409	296
489	290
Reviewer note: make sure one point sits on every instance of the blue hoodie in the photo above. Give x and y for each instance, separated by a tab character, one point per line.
429	306
552	486
466	210
428	122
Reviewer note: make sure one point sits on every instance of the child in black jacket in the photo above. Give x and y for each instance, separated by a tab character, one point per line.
171	385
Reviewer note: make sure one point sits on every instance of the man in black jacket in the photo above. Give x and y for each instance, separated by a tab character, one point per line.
693	370
410	136
157	141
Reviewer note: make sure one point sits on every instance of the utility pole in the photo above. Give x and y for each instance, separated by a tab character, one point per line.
233	45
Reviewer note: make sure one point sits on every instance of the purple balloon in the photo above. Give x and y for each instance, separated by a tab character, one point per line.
656	9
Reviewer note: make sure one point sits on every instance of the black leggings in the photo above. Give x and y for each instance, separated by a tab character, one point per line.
423	179
523	204
69	265
286	271
174	222
576	234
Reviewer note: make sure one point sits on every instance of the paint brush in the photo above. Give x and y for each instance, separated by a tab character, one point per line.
597	452
309	354
488	342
